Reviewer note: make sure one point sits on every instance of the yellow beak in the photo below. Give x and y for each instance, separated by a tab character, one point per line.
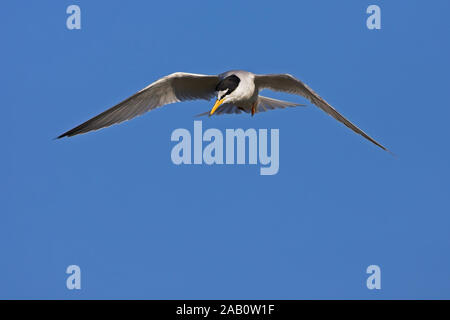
216	105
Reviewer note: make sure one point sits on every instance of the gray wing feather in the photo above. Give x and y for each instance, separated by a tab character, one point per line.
289	84
170	89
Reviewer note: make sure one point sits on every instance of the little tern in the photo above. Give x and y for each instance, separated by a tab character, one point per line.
236	91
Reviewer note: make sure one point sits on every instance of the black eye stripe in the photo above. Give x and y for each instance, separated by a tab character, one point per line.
225	94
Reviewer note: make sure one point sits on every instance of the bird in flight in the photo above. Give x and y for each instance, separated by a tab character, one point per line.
236	91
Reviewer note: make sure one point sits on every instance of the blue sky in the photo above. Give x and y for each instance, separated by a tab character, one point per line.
140	227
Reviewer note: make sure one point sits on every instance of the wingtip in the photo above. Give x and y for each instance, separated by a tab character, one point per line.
391	153
68	134
386	149
61	136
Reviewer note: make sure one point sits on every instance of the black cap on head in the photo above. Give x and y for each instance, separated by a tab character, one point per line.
230	83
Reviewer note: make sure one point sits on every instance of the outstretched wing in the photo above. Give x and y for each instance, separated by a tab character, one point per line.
289	84
172	88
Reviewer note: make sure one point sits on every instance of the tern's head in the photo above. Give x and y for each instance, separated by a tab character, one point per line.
225	89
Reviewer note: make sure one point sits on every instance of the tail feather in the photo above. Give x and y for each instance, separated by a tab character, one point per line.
264	104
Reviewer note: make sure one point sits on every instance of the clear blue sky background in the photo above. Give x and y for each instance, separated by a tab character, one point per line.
140	227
